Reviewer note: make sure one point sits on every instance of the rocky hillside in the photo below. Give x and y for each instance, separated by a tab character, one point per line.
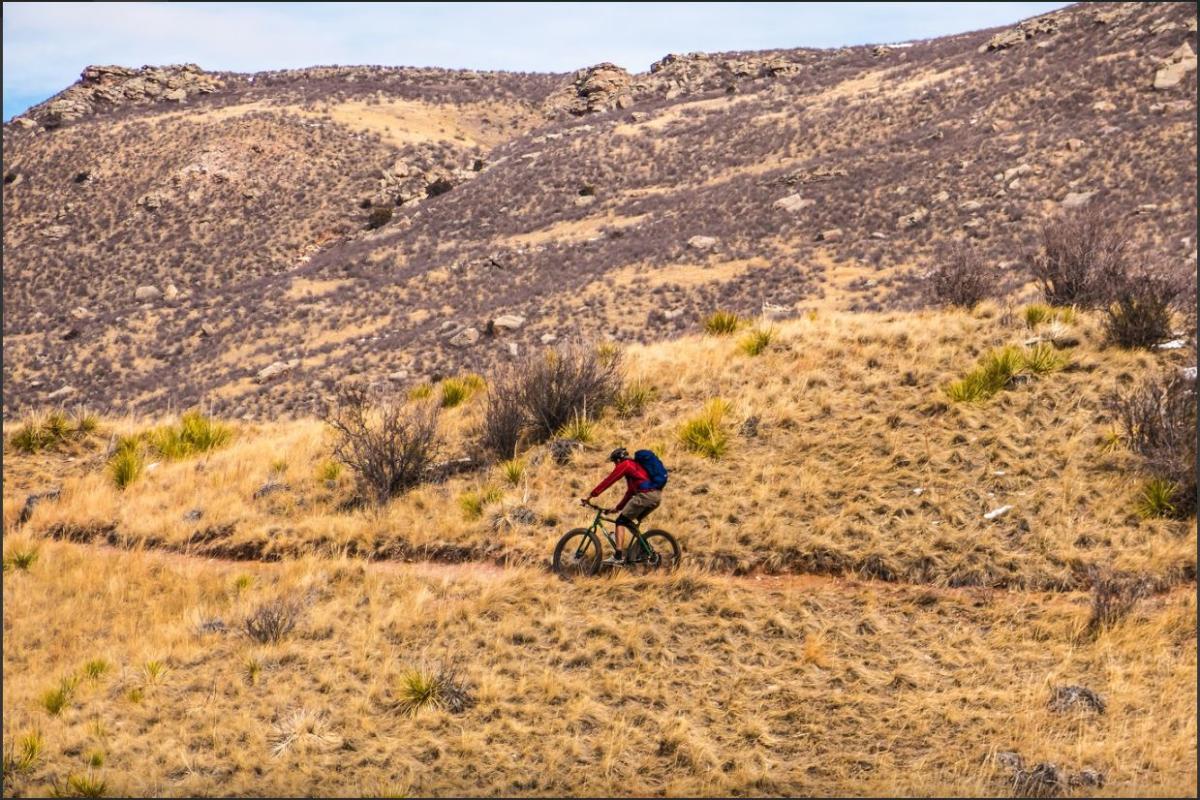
175	237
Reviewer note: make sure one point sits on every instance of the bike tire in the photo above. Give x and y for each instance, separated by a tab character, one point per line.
665	548
577	554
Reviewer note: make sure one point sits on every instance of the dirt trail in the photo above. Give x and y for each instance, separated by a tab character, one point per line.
491	572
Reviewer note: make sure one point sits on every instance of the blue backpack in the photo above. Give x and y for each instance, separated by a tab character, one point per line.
654	468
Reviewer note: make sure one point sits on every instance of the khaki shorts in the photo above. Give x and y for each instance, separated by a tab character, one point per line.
641	504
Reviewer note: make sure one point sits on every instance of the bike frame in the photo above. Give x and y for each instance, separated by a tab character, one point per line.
598	525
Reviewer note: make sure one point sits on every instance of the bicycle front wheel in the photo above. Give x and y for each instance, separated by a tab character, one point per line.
664	553
577	554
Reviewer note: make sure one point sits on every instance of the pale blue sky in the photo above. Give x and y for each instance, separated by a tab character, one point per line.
46	45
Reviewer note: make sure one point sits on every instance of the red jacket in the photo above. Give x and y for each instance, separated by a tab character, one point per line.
634	476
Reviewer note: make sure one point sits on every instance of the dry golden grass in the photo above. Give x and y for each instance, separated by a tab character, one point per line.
685	684
860	465
693	683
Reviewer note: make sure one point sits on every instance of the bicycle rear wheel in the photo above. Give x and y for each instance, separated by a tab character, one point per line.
577	554
664	553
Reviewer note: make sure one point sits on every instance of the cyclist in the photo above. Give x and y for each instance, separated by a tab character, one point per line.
639	499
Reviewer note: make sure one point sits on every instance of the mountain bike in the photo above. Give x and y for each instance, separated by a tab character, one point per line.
580	553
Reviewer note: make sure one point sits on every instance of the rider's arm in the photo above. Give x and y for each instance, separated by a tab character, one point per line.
620	470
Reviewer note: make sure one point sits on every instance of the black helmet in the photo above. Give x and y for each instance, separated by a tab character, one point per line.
620	454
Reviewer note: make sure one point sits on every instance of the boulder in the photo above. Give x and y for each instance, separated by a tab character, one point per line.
508	322
275	370
464	338
912	220
170	293
1072	698
399	376
1176	67
548	338
1074	145
24	122
174	95
793	203
1077	199
702	242
513	348
1103	106
147	293
1013	172
830	235
970	205
59	394
1003	40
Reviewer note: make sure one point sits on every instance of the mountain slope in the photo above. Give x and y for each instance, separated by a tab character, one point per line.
569	201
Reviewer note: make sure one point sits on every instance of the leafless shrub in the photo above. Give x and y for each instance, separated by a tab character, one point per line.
962	278
569	382
1140	306
387	445
1114	594
505	421
534	399
1083	258
1158	422
273	620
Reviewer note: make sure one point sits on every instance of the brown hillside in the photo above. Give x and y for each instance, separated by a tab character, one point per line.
568	201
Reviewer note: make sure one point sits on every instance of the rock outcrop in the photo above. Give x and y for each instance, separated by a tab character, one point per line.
1176	67
592	90
104	87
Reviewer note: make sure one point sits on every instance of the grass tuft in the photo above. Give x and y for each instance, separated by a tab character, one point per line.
194	434
472	503
57	699
329	470
998	368
95	669
51	429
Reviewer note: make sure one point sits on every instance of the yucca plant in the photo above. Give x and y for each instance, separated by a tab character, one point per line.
757	341
1036	314
455	391
95	668
329	470
579	429
56	699
707	434
722	323
513	470
437	687
127	463
23	754
633	398
1157	498
195	433
1042	359
21	558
